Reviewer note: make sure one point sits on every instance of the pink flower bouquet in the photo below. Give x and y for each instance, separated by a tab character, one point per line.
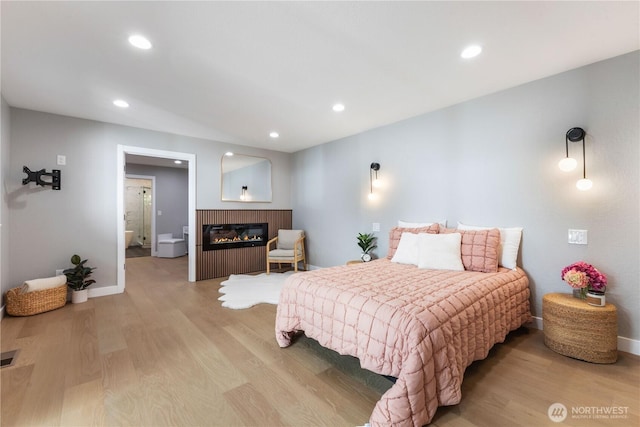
585	277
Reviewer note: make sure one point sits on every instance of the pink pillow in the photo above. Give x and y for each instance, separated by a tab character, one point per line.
396	233
479	249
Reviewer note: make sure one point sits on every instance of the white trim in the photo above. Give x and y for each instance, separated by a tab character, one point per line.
624	344
153	207
628	345
104	291
537	322
120	164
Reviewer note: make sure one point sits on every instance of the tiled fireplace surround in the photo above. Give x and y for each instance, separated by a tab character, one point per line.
219	263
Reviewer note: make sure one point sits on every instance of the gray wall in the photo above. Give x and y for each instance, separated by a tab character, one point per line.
48	226
493	161
172	196
4	208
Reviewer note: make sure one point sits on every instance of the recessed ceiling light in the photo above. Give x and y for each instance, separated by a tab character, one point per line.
228	154
121	103
140	42
338	108
177	162
274	134
471	51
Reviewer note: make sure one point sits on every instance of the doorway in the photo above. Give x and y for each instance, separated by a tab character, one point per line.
139	205
120	210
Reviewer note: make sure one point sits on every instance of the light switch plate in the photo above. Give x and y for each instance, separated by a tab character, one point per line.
61	160
375	226
577	237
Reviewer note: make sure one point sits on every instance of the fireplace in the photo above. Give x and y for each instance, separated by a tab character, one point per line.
226	236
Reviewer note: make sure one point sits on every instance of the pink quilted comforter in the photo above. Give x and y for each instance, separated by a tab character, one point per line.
423	327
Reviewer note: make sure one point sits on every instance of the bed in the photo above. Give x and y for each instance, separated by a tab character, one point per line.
422	326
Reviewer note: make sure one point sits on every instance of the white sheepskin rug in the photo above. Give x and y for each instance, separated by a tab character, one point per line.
244	290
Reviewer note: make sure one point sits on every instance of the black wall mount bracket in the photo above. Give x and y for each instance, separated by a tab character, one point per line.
36	176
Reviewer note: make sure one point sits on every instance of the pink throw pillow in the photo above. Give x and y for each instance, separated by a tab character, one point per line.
479	249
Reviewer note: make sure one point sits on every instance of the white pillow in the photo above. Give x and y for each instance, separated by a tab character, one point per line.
440	251
509	243
407	252
404	224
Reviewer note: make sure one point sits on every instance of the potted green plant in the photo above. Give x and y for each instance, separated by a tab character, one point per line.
78	279
367	242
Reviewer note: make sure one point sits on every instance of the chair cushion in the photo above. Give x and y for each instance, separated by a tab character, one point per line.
287	238
283	253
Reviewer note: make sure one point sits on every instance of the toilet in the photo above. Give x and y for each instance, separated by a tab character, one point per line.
168	247
128	235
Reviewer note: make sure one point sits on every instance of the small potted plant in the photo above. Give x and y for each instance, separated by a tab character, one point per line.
78	279
367	243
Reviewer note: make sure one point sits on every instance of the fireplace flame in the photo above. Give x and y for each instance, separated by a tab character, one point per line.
253	238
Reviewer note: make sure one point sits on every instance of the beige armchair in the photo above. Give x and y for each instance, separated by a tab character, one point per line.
289	248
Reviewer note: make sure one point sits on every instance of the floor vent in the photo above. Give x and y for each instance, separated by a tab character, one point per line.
8	358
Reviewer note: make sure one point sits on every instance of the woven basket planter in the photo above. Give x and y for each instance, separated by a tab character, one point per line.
28	303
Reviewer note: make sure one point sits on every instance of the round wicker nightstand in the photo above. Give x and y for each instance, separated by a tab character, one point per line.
576	329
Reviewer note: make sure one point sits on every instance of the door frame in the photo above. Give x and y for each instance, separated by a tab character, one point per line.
120	219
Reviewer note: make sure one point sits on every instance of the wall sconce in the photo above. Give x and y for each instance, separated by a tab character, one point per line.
243	195
373	179
568	163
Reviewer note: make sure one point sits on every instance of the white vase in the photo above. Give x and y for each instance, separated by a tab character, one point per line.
596	298
78	297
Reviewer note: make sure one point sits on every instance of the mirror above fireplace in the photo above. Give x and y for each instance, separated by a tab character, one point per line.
245	178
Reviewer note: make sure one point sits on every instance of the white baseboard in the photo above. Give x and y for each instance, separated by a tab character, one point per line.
104	291
624	344
536	322
629	346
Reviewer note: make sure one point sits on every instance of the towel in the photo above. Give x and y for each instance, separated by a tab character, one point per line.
46	283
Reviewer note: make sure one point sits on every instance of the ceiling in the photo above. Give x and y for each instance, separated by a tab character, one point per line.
236	71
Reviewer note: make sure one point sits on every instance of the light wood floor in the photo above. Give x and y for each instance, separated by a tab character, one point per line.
166	353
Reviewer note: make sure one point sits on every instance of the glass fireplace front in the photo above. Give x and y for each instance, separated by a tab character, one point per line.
226	236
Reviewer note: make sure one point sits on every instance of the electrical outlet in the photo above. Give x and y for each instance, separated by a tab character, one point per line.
61	160
59	272
577	237
375	226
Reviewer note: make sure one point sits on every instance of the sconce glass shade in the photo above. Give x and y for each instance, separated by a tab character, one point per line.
567	164
584	184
